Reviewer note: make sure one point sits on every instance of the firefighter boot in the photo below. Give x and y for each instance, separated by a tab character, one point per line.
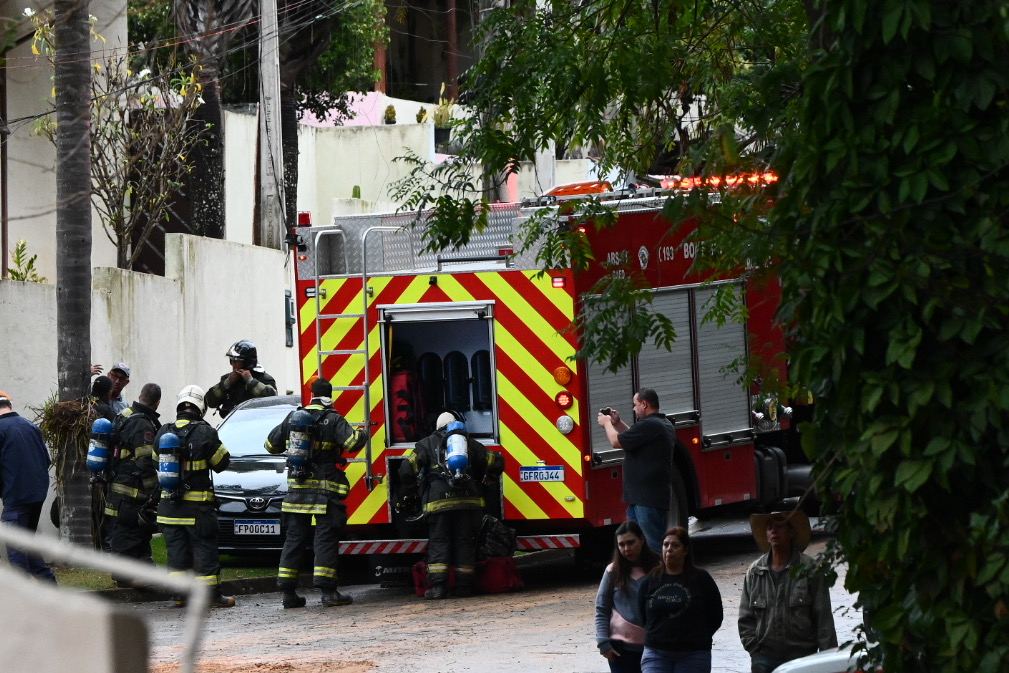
292	599
332	598
437	592
221	601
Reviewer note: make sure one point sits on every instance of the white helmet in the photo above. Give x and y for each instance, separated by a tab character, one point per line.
193	395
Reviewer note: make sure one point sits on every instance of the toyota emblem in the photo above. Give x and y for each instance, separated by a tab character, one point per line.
257	503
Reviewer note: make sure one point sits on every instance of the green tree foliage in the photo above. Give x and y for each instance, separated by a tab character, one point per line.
890	133
898	284
667	86
641	85
141	133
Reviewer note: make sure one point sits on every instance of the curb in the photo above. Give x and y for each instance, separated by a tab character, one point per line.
237	587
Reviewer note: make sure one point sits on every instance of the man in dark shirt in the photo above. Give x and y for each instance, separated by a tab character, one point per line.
24	482
648	446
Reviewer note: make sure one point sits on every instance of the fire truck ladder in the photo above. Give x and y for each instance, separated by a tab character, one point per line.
370	479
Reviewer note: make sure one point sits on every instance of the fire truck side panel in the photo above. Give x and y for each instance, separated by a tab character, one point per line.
699	378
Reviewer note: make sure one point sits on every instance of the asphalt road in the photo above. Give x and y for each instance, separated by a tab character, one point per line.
548	626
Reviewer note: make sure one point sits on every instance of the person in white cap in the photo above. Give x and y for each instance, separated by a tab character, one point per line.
784	613
187	515
452	501
120	375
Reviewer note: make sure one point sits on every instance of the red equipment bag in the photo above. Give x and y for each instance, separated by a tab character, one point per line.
406	404
420	578
497	575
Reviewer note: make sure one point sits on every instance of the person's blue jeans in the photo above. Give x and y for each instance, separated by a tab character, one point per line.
27	517
664	661
761	663
629	661
653	524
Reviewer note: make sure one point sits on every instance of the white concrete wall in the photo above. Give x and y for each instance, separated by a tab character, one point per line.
241	129
173	331
362	156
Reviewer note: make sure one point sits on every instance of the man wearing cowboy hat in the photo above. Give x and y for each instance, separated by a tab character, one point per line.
784	613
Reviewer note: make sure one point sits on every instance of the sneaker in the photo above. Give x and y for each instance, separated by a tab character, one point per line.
332	599
293	600
221	601
437	592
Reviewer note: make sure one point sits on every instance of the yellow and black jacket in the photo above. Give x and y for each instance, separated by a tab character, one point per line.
202	451
135	474
440	492
326	482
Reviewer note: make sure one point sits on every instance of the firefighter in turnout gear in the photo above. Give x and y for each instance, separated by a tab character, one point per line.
134	476
246	380
452	499
315	439
185	452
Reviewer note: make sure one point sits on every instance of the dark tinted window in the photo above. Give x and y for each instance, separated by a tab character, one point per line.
245	430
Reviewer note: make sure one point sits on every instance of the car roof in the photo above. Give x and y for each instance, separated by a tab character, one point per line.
273	401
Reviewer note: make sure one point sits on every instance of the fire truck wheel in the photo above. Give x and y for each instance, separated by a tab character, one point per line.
678	505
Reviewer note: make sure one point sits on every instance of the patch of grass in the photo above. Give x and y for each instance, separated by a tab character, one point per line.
232	567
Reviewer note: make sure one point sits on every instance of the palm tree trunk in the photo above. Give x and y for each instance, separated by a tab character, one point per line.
73	229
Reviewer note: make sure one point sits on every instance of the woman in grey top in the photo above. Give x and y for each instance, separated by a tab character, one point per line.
620	631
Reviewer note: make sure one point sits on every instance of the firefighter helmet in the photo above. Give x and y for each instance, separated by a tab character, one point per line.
192	395
245	351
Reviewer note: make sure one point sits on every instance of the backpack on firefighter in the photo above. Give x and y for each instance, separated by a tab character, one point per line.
305	430
173	451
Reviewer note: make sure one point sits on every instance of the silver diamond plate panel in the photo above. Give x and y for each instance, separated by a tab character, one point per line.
338	248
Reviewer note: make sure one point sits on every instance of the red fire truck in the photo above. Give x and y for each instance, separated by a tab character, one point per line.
404	334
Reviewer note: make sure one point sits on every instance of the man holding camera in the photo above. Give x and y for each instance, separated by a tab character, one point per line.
648	446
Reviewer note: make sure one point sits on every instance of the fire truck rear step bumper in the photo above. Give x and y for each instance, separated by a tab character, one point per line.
523	543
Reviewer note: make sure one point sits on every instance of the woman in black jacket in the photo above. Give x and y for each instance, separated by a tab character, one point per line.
682	609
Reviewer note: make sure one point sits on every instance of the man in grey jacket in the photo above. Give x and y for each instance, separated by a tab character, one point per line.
784	612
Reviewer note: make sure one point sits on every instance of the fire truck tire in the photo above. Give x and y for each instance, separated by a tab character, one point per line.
678	504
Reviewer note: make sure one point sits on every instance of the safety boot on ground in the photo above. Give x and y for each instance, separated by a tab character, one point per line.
437	592
332	599
221	601
293	600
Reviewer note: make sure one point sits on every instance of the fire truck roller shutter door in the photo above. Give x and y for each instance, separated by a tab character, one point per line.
456	381
481	381
432	387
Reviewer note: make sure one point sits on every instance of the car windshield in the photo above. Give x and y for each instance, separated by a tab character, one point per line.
245	430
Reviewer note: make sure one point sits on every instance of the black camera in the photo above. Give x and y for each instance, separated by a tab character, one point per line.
606	411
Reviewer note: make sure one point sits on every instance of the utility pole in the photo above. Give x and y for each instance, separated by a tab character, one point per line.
271	161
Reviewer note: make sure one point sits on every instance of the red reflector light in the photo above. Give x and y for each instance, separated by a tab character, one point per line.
558	281
304	219
575	188
564	399
302	258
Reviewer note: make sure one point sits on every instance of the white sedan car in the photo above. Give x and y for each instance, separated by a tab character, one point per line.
828	661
